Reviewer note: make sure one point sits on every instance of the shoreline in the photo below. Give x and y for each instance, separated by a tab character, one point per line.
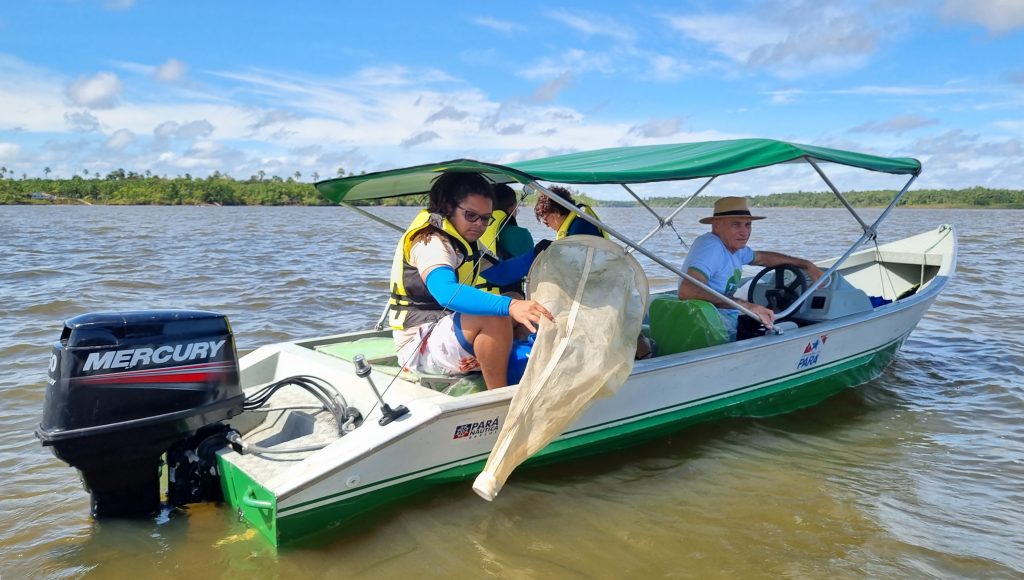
597	203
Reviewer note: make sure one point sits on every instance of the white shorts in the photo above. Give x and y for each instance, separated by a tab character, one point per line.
439	349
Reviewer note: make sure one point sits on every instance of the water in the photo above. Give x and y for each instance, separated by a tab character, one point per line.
917	474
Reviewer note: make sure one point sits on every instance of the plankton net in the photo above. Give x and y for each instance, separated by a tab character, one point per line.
598	296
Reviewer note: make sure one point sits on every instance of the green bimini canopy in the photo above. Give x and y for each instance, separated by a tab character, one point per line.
617	165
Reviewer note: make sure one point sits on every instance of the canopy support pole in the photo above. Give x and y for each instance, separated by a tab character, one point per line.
870	232
643	203
375	218
668	220
380	220
839	195
630	243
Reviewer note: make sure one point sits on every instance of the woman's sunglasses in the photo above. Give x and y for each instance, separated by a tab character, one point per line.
473	217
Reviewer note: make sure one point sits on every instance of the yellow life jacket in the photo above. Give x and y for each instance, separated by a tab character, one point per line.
489	239
488	243
563	230
411	303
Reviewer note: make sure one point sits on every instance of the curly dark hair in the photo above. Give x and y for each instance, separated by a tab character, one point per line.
450	188
545	205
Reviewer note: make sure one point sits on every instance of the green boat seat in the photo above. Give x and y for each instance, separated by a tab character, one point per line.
380	352
376	349
683	325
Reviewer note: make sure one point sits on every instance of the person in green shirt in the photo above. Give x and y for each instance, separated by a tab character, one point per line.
513	239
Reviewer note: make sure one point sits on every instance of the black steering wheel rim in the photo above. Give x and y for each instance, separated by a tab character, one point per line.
782	295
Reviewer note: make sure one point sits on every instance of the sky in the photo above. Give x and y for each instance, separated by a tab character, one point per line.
310	88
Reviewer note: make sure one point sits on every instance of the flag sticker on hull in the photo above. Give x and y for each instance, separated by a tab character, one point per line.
812	351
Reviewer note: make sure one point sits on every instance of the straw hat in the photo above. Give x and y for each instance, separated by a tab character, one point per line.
731	207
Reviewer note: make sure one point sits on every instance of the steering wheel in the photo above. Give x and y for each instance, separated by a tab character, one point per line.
782	295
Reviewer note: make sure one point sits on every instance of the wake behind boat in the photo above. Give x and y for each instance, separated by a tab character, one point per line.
302	436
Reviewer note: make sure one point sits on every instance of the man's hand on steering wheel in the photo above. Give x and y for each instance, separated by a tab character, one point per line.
780	294
814	272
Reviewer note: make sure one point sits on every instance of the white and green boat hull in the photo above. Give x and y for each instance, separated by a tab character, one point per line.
445	440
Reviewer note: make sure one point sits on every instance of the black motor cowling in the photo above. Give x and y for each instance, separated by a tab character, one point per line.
124	387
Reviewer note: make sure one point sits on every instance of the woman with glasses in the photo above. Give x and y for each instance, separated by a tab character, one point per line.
441	323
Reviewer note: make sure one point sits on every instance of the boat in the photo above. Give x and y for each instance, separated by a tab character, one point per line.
311	435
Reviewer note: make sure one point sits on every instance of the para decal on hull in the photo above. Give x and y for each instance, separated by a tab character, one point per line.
812	351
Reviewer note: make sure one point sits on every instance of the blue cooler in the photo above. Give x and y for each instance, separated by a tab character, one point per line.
518	358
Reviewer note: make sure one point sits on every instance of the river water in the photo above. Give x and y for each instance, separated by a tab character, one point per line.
917	474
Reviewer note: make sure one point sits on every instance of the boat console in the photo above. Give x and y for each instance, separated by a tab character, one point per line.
834	299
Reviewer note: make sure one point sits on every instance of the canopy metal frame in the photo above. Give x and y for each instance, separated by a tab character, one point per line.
870	232
531	185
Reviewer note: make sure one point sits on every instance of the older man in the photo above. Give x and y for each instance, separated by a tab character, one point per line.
717	259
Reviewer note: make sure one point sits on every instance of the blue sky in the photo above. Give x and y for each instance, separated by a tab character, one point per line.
308	87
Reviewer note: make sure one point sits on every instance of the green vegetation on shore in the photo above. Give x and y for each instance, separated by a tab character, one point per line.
121	188
972	197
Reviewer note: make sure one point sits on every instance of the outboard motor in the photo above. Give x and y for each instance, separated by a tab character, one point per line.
124	387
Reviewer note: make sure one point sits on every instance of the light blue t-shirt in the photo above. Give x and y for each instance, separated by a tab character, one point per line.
722	268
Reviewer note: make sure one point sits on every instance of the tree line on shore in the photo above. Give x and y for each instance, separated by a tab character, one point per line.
971	197
121	188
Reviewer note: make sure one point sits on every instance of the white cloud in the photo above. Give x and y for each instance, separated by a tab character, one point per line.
1011	125
99	91
120	139
420	138
505	26
83	121
271	119
549	90
446	113
786	38
897	125
9	151
171	71
187	131
785	96
668	68
574	60
119	4
905	90
998	16
594	25
957	158
657	128
510	129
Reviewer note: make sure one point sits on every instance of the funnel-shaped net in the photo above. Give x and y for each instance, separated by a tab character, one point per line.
597	294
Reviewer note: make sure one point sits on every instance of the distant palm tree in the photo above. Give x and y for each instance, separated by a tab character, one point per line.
316	176
341	172
262	174
298	175
85	172
47	171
